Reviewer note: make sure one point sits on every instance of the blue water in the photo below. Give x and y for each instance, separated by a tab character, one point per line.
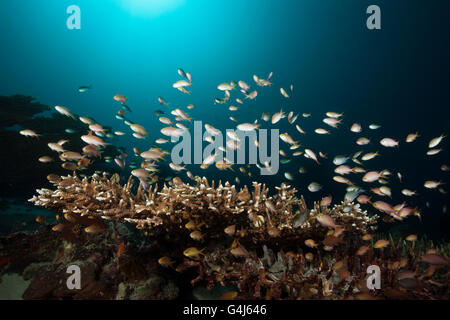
396	76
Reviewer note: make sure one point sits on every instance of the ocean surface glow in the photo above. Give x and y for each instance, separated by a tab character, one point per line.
151	8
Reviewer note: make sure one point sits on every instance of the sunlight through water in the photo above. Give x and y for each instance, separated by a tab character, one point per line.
150	8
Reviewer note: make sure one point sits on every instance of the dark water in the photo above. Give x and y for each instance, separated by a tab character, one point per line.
396	77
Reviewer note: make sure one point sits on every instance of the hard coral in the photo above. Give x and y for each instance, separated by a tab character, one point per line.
260	217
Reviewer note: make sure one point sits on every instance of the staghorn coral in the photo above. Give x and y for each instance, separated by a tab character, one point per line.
260	217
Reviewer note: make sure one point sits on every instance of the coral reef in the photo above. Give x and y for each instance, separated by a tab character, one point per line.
267	246
340	274
42	259
254	215
18	109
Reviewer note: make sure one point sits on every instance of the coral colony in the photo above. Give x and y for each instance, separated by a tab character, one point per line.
248	238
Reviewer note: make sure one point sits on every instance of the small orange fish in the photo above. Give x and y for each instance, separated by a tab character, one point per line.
196	235
326	221
181	267
120	249
309	256
190	225
273	232
239	251
338	265
367	237
362	250
40	219
95	228
84	162
193	252
58	227
166	262
290	254
381	244
326	201
311	243
230	230
411	237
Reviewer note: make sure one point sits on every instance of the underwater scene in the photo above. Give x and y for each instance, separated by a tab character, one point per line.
224	150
